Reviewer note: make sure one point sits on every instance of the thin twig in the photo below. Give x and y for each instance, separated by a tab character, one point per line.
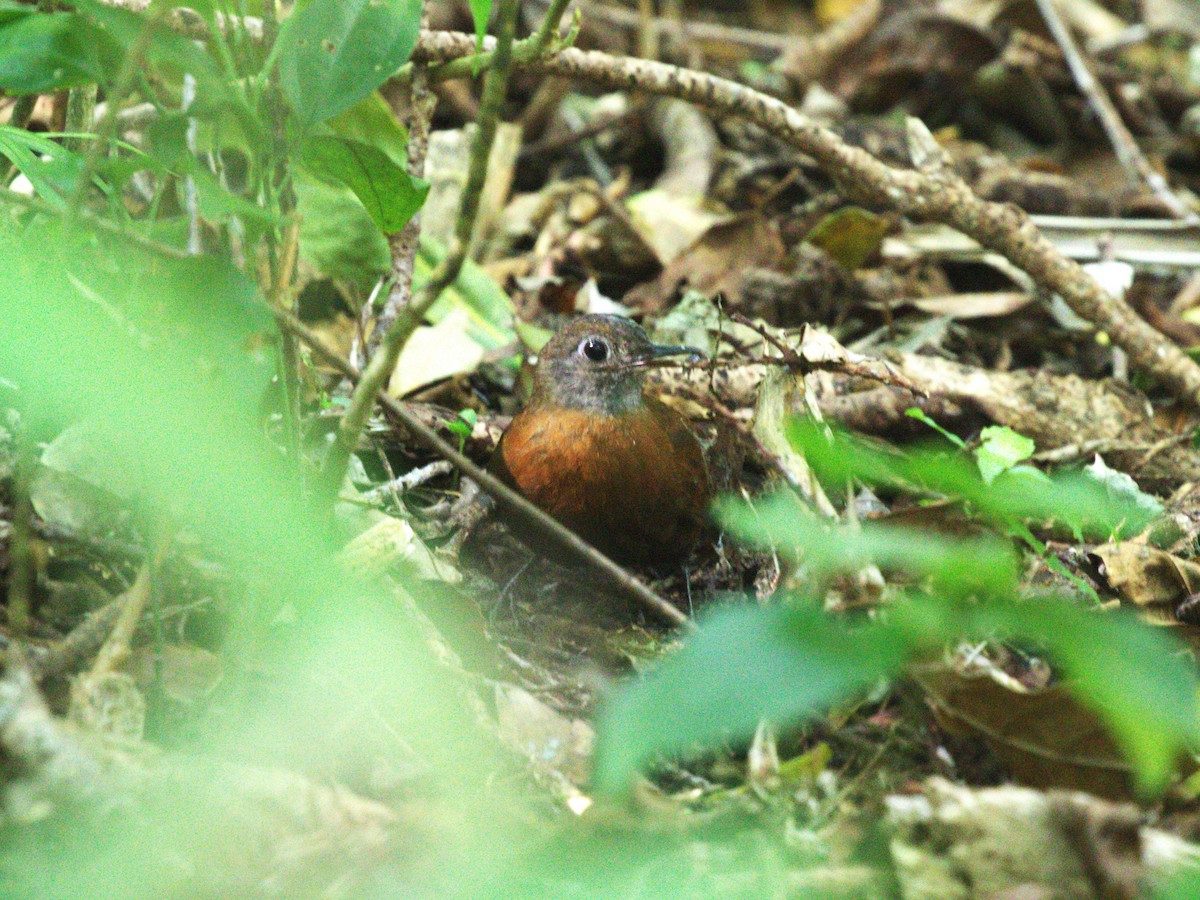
404	244
529	514
1129	154
379	368
927	193
845	363
407	481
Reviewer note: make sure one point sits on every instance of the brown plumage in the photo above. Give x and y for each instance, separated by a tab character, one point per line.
618	467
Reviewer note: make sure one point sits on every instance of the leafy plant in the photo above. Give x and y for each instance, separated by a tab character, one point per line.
329	57
790	661
462	426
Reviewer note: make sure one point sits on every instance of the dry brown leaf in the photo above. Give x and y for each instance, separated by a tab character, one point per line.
1045	738
1151	579
670	223
435	352
716	263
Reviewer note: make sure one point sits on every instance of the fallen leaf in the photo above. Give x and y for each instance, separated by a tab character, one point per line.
973	306
716	263
851	236
435	352
1151	579
1045	738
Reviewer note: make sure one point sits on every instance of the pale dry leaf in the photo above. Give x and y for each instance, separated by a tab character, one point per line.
434	353
978	305
391	541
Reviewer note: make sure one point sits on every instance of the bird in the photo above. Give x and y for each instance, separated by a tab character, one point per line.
615	465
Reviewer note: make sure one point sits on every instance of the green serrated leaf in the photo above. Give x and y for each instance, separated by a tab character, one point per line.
333	53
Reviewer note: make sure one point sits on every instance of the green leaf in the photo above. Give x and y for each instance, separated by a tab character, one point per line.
10	10
780	663
46	52
332	53
915	412
218	204
160	51
371	121
481	11
337	237
1074	499
489	309
51	168
339	240
1183	884
389	194
1119	484
1000	449
464	423
167	141
787	664
196	317
851	236
960	566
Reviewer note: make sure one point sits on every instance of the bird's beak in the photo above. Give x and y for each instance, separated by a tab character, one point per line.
660	355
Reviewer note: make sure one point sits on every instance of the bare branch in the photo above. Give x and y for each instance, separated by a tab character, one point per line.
929	194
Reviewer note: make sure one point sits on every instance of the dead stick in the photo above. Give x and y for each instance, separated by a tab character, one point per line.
514	502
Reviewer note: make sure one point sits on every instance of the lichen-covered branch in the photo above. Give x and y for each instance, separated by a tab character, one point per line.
937	194
403	244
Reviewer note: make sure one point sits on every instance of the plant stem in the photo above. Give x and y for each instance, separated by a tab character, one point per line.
380	367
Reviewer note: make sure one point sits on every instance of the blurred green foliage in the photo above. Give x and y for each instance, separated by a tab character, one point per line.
788	663
103	316
107	318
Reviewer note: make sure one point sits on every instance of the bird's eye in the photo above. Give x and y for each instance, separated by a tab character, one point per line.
594	348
